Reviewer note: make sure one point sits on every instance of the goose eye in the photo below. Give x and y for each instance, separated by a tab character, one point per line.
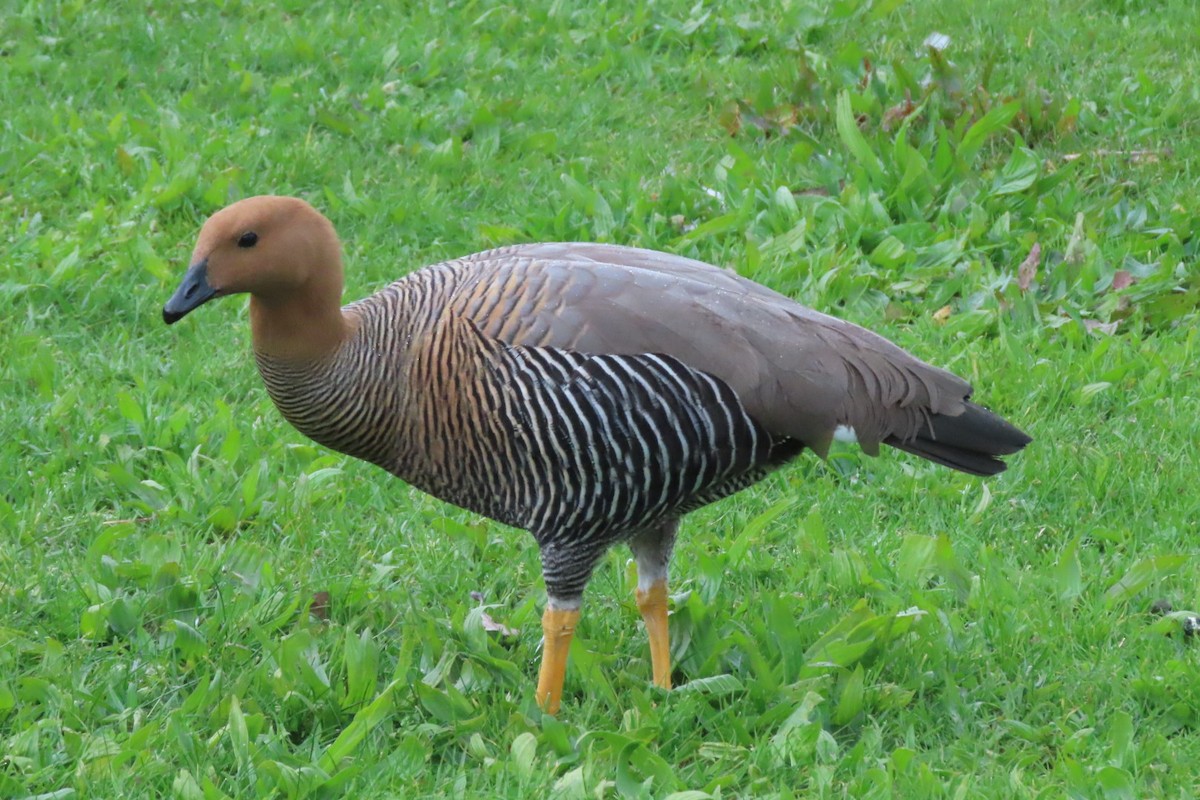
248	239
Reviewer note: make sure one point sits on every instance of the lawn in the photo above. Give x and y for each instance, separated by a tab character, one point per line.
199	603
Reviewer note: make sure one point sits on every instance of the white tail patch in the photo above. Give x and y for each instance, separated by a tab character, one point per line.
844	433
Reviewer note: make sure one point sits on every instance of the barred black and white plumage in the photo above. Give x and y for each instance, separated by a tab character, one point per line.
580	450
586	393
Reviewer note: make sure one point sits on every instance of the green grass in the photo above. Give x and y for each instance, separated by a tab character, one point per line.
853	628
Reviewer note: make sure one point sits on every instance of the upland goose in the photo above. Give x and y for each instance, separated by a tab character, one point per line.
588	393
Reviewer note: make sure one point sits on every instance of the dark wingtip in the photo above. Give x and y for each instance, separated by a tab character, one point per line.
971	462
970	442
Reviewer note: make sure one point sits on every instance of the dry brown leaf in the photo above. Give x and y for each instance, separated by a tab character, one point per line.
1134	156
319	608
1122	280
784	118
740	115
867	69
942	314
490	624
1028	269
898	113
1147	156
1096	326
730	118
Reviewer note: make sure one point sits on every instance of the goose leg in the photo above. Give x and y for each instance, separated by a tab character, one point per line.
566	571
558	628
652	550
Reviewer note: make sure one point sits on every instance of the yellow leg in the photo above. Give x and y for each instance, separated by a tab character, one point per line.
653	605
558	627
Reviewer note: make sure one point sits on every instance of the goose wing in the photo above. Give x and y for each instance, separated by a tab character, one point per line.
800	373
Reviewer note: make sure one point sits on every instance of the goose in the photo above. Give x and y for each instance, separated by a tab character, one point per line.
590	394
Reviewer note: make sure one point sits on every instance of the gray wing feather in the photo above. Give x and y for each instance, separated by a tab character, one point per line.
800	373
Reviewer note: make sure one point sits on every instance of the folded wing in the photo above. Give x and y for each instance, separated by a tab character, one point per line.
799	373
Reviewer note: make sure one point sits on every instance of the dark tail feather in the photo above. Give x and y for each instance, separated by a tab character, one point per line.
970	442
